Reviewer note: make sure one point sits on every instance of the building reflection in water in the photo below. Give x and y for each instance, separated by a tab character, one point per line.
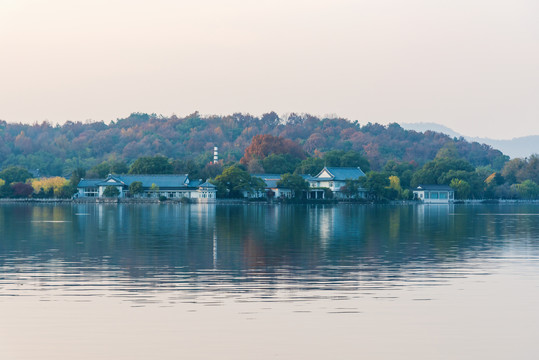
194	245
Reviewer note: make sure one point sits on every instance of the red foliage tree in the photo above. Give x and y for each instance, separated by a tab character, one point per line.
22	190
265	145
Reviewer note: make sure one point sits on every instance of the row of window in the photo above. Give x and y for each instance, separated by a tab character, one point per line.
443	195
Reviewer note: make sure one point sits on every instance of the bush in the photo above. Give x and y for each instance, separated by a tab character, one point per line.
185	200
111	191
162	198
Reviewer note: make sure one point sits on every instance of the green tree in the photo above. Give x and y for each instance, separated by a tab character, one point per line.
15	174
233	182
154	189
527	189
435	171
294	182
513	169
462	188
109	167
351	188
395	185
151	165
76	176
311	166
448	151
341	158
279	163
403	170
111	191
135	188
6	191
376	183
65	191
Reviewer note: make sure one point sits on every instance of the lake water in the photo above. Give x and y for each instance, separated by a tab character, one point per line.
97	281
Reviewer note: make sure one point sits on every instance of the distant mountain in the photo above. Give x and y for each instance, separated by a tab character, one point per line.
422	127
520	147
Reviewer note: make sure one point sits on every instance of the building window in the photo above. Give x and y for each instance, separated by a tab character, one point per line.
443	195
434	195
426	195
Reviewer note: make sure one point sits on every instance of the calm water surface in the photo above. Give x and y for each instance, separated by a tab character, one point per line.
269	282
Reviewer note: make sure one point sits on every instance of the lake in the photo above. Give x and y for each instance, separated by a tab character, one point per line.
163	281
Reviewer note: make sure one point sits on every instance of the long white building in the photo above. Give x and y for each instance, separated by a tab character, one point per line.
153	186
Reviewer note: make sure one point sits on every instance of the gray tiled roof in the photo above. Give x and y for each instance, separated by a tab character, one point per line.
163	181
341	173
434	187
270	179
207	185
84	183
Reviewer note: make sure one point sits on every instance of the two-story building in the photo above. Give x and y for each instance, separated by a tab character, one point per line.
334	179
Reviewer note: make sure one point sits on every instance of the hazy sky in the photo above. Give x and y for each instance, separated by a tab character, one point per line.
472	65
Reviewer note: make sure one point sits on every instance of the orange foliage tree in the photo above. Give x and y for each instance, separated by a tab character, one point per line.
265	145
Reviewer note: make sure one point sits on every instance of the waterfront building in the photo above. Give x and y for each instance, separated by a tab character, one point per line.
434	194
153	186
334	179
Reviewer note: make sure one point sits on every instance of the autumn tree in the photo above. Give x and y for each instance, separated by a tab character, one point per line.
264	145
48	186
21	190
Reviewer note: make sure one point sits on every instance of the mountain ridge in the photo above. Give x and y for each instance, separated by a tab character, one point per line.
517	147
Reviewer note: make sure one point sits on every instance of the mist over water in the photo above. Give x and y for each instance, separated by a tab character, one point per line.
351	270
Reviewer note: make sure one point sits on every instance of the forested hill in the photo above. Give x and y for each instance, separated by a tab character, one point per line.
57	150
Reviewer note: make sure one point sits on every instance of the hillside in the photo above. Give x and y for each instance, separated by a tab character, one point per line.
57	150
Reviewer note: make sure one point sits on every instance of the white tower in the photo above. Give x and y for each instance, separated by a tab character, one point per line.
215	155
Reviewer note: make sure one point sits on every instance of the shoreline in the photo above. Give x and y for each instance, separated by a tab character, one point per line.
250	202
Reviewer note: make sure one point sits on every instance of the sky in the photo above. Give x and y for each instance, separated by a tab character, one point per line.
470	65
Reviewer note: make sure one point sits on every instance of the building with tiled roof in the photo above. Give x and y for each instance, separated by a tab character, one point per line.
153	186
434	194
334	179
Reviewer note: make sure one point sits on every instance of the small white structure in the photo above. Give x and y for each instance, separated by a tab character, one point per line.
153	186
434	194
334	178
215	154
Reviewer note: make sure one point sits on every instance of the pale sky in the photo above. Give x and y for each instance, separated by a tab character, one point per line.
472	65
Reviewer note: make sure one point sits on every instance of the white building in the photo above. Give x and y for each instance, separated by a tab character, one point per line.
153	186
334	179
434	194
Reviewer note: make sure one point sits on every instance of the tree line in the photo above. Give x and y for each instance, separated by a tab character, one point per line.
59	150
516	179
